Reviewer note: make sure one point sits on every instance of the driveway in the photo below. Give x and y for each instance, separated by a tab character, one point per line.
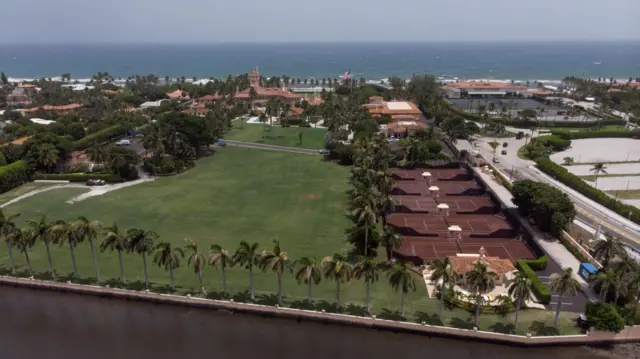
575	303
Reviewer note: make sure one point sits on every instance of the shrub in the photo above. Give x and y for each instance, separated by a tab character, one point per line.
13	175
104	135
79	177
563	175
604	316
547	206
540	290
557	143
568	135
3	160
537	264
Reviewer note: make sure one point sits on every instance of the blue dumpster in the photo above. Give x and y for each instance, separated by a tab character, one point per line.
586	270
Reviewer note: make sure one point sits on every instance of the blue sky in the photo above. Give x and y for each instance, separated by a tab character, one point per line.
126	21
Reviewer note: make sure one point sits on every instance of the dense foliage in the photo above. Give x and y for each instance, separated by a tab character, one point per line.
540	290
99	137
79	177
548	207
604	316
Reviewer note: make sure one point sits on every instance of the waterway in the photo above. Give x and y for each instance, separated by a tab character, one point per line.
37	324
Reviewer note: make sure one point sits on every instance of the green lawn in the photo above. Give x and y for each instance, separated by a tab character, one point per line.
244	194
630	194
312	138
592	178
19	191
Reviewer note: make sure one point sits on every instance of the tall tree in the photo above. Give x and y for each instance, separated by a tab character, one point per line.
608	281
142	242
390	240
40	230
562	284
169	258
276	261
85	229
7	227
116	240
48	156
481	280
62	234
519	288
219	256
363	212
196	259
597	169
606	250
24	239
400	275
367	268
442	273
247	255
308	272
338	269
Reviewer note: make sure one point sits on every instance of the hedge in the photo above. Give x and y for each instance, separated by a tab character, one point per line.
537	264
104	135
563	175
575	251
79	177
604	316
13	175
540	290
568	135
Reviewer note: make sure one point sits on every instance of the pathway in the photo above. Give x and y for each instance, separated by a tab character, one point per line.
272	147
41	190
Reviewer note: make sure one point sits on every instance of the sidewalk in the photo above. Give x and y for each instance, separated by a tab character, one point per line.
554	249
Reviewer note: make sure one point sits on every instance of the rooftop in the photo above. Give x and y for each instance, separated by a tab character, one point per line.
465	263
72	106
484	85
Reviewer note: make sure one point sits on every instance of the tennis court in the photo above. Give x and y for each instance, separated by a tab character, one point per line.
514	105
418	249
445	188
457	204
430	225
436	174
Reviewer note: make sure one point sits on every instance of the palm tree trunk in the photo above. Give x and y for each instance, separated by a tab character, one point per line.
279	288
635	308
402	304
442	294
95	260
144	264
515	324
555	320
13	265
53	272
251	283
368	286
73	260
309	291
366	239
26	256
478	299
201	286
388	250
338	294
224	281
122	279
173	287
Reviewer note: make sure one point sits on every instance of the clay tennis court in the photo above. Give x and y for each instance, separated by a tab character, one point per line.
424	248
457	204
446	188
436	175
430	225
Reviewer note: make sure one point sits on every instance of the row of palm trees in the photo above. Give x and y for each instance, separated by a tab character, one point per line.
308	270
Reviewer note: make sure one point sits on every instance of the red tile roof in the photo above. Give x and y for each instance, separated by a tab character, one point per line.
178	95
69	107
482	85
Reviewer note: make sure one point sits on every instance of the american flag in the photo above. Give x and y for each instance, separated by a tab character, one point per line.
347	75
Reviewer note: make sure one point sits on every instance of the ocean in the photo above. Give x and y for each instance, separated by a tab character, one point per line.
505	61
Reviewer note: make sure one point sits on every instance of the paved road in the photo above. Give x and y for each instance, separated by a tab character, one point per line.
272	147
589	211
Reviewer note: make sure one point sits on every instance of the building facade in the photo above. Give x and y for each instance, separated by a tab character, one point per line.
482	89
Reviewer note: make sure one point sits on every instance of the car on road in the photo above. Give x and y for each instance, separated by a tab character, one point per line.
583	321
123	143
96	182
504	152
519	135
324	152
505	144
221	144
496	160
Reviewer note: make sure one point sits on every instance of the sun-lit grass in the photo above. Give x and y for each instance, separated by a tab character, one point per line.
312	138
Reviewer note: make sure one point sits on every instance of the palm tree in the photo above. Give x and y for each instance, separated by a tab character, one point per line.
562	283
308	272
481	280
62	234
277	261
118	241
252	96
7	227
608	280
337	268
24	239
169	258
519	288
442	272
597	169
220	256
367	268
606	250
84	228
142	242
196	259
390	240
48	156
247	255
400	276
98	154
40	230
364	213
494	146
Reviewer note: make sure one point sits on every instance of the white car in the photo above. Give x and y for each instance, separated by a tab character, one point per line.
123	143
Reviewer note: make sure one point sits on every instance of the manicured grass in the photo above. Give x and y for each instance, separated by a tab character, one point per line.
630	194
312	138
593	163
592	178
253	195
19	191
